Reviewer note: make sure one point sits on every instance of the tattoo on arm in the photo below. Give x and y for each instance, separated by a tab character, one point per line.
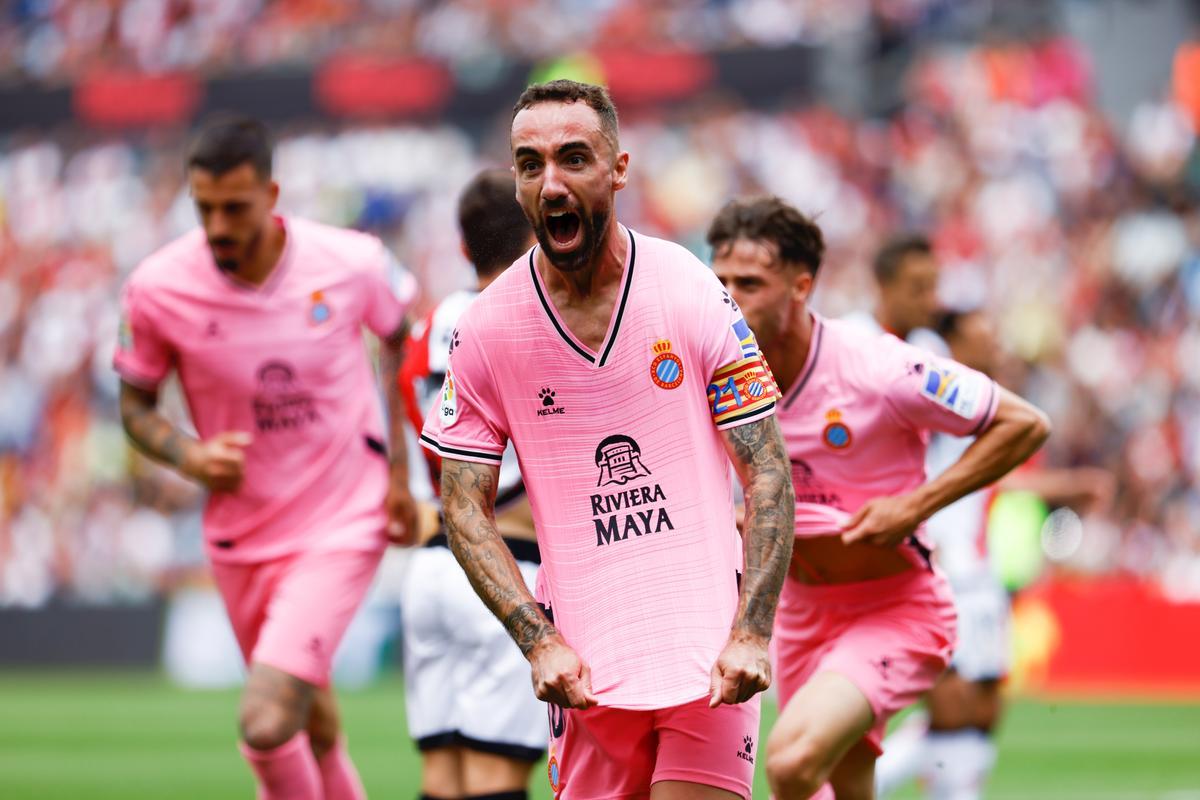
149	430
760	457
468	499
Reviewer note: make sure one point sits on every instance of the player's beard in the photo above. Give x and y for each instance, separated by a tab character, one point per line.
592	228
232	263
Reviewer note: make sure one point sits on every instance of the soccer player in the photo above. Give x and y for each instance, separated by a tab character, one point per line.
261	316
865	623
651	640
952	747
470	706
906	274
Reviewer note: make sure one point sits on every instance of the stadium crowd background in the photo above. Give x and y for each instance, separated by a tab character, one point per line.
1079	233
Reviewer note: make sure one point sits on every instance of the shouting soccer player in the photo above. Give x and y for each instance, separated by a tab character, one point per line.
865	623
475	718
262	317
627	380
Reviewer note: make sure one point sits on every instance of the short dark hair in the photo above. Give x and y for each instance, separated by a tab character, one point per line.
568	91
893	252
494	228
948	324
227	143
768	218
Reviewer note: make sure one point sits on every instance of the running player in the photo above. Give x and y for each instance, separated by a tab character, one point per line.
470	706
649	652
261	316
952	746
865	624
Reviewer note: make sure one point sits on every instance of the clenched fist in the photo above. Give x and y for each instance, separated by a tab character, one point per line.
220	462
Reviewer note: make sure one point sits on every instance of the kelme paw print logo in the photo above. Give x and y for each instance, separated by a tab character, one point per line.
547	396
747	751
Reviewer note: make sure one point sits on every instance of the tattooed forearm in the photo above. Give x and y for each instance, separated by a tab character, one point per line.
149	430
468	498
760	457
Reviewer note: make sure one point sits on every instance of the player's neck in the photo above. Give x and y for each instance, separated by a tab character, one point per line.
263	261
604	270
789	352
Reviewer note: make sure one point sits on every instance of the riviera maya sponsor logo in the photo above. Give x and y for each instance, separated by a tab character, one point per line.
281	403
836	434
666	370
638	510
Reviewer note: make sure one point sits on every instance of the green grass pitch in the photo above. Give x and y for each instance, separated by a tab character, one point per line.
129	736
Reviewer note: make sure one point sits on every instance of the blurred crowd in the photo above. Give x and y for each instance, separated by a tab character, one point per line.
54	41
1083	240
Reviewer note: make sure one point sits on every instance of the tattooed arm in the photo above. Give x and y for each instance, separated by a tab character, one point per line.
217	463
468	498
760	458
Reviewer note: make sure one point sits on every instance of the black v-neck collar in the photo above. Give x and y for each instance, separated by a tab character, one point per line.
813	355
614	327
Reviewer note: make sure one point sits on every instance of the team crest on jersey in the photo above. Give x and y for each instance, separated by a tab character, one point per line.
553	772
320	312
449	405
666	370
619	460
836	434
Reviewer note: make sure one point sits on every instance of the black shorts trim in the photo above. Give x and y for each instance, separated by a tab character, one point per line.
522	549
456	739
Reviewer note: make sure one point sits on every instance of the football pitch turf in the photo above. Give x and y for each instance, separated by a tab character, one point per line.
123	735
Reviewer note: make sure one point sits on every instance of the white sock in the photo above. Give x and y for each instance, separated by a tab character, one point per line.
905	754
959	765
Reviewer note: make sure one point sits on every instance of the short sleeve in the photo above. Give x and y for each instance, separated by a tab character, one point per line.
466	421
390	292
938	394
741	388
143	356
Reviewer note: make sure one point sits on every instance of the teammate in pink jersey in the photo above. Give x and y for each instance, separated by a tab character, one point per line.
627	381
866	624
262	316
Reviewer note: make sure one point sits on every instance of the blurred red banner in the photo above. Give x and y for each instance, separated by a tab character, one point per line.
1106	635
637	77
371	88
127	99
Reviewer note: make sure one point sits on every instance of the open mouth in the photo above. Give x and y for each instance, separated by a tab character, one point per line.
563	227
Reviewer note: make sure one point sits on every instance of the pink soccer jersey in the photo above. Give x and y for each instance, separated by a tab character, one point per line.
285	362
627	474
858	418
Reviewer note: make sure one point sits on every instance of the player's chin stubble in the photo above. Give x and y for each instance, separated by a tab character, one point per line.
583	255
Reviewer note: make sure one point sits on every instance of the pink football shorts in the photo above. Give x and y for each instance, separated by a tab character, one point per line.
290	613
608	753
892	638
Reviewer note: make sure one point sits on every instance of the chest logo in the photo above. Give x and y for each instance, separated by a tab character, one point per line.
320	312
281	403
619	460
666	370
836	434
548	403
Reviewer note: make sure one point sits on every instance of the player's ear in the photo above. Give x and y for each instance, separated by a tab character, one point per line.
620	171
802	285
463	247
274	191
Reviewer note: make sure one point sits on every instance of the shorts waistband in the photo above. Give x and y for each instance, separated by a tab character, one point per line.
891	587
522	549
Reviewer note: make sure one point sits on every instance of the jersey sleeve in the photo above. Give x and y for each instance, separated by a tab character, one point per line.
467	421
933	393
390	291
143	356
740	388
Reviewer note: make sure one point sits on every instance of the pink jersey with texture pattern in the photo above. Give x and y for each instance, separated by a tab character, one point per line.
627	474
858	418
285	362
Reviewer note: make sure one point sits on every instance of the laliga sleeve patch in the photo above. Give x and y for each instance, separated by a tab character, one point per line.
742	391
449	405
960	392
125	333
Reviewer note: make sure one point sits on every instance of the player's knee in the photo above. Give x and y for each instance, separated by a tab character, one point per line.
795	769
267	726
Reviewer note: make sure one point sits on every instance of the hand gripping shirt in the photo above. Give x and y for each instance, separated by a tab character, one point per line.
858	418
286	363
627	475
